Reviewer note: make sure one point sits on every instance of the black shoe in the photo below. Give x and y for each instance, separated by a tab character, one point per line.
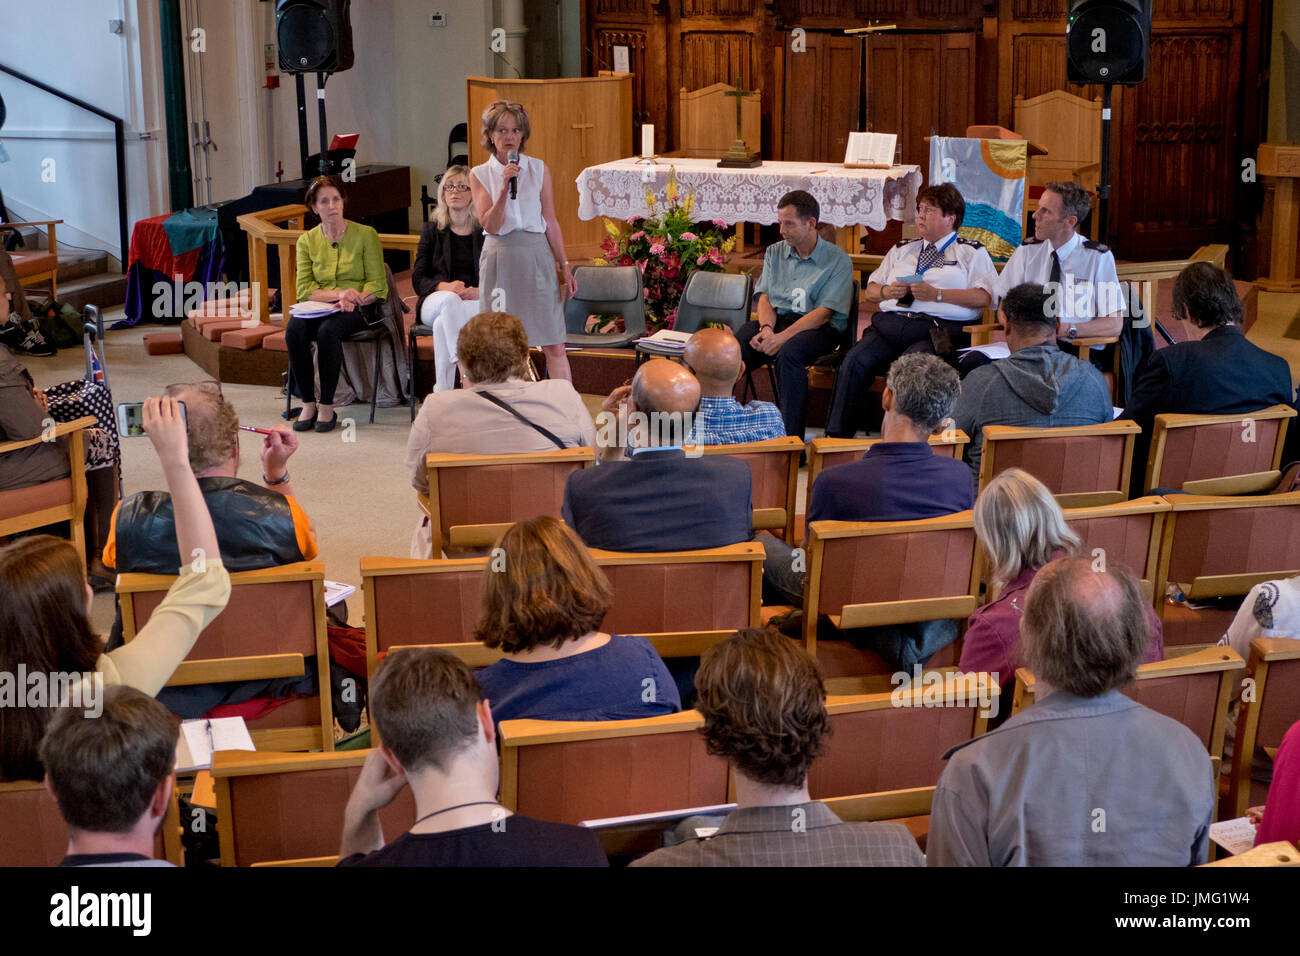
790	623
304	424
33	343
329	426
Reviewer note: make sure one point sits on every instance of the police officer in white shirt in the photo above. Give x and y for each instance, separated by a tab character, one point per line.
1081	273
927	288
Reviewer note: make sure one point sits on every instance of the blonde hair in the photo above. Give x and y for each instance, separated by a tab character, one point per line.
1020	524
441	213
492	115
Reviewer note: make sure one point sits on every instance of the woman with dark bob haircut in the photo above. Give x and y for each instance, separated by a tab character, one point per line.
543	609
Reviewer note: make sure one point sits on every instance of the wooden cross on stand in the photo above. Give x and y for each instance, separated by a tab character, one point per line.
739	156
582	126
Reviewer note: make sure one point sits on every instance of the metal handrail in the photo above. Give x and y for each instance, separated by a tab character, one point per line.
119	145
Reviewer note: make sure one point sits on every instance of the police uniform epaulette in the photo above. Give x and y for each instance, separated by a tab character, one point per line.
1095	246
1031	241
905	242
970	242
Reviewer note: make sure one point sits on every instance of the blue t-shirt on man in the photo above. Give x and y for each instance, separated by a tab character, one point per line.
622	680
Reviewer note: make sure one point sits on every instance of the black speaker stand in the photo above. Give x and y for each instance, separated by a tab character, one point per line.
300	87
320	104
1103	182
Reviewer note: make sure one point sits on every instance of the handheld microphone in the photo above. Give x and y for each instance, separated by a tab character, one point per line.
513	156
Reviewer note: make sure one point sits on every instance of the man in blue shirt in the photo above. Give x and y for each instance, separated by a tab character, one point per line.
803	300
714	356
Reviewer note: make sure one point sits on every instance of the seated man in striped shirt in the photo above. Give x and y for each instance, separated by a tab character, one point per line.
714	356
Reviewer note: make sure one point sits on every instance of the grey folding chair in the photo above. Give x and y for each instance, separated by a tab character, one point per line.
709	298
605	289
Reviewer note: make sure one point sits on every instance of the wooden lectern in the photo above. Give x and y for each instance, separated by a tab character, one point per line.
709	121
575	123
1279	163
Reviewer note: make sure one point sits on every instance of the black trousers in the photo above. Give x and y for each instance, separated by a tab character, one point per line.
891	334
792	363
328	334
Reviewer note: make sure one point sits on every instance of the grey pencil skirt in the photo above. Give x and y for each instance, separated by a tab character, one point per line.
517	275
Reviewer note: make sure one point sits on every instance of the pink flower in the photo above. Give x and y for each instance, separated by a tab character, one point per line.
632	221
715	257
625	261
670	273
656	247
639	234
701	260
720	224
689	236
642	264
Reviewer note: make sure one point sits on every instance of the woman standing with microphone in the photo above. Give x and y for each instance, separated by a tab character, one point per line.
515	203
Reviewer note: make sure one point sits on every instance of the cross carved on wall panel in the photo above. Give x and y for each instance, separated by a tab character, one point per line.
581	125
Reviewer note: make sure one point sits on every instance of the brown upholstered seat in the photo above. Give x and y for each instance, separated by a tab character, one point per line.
1128	533
63	499
1222	547
1081	465
1265	718
287	809
274	621
1218	454
570	771
774	465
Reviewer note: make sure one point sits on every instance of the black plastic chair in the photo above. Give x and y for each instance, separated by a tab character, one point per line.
376	334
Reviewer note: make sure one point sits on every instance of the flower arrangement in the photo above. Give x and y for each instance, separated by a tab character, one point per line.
668	246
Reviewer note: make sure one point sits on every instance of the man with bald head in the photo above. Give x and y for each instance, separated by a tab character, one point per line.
1086	776
713	354
660	498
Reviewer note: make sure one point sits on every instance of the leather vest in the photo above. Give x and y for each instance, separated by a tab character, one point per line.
254	528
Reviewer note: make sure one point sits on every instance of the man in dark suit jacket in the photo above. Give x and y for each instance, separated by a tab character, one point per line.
660	499
1217	372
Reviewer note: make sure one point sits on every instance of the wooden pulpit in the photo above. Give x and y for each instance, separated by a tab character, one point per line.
1279	164
708	123
575	123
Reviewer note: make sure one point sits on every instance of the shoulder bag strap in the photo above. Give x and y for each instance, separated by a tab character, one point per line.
501	403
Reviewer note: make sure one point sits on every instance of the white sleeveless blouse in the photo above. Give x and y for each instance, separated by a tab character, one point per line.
523	213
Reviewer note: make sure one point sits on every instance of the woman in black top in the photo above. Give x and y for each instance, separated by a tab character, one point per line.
445	275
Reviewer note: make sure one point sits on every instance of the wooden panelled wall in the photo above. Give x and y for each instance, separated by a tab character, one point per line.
1178	140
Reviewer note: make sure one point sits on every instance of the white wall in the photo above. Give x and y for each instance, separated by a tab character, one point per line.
67	44
404	93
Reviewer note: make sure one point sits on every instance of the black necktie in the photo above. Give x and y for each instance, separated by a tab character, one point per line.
1055	275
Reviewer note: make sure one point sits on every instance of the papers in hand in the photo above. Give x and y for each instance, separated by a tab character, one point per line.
994	350
336	591
870	150
199	738
668	339
311	310
1236	836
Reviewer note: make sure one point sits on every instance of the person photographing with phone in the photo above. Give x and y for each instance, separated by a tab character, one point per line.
45	604
515	202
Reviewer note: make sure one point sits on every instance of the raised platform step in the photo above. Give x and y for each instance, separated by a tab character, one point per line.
79	264
104	289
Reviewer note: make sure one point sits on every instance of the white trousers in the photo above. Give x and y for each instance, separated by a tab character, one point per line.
447	313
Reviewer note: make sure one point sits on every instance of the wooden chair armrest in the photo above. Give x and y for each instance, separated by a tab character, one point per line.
983	327
1095	340
63	428
33	222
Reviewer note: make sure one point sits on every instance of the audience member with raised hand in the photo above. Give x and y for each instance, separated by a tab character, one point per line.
543	610
713	355
439	739
341	264
764	711
515	202
499	411
445	272
667	496
45	604
111	774
1086	776
1021	528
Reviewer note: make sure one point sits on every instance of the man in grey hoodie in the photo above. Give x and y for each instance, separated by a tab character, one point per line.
1038	385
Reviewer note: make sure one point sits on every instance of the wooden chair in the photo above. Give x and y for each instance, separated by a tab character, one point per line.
889	805
1193	689
896	740
775	467
570	771
1218	454
38	267
1127	533
828	452
683	602
64	499
1081	465
32	831
274	621
1263	720
864	574
473	499
282	809
1222	547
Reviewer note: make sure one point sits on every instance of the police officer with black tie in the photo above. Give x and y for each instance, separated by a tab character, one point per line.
928	288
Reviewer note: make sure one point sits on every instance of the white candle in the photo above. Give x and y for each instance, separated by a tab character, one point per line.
647	140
